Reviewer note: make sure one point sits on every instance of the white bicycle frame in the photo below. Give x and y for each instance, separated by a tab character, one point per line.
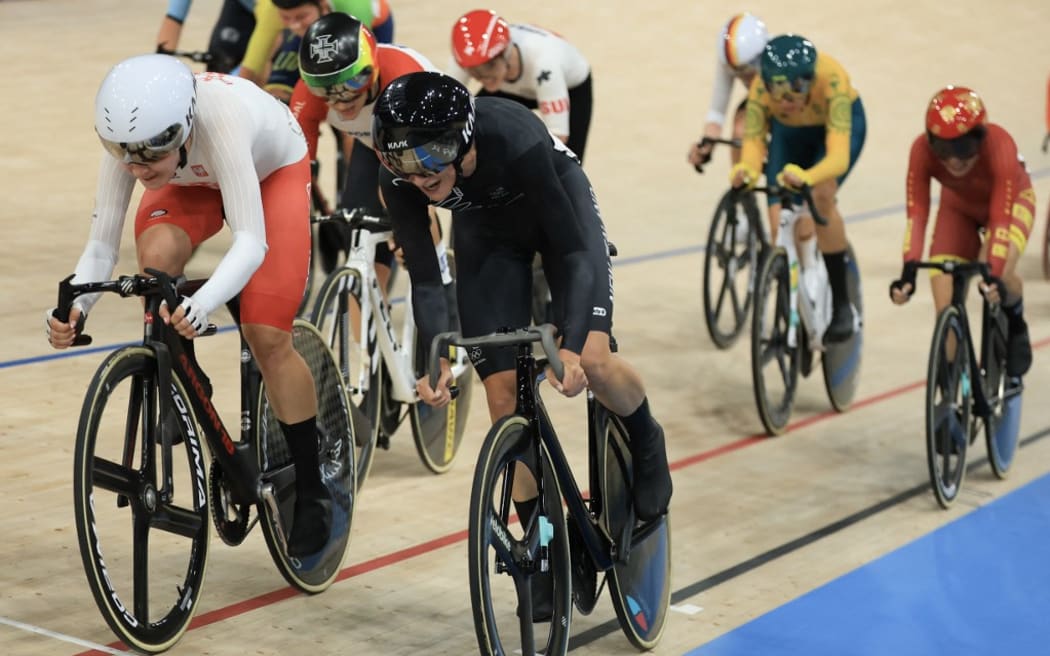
398	355
813	305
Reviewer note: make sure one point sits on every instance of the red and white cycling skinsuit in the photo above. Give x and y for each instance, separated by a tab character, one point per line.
311	110
247	164
995	194
550	66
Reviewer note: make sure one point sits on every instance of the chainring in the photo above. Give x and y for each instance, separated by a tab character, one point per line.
231	519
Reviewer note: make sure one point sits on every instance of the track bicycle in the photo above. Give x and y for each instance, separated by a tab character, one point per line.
599	534
735	241
793	307
381	369
141	494
965	394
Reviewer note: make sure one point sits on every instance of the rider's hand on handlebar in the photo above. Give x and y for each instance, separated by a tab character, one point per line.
794	177
573	380
700	154
441	396
902	288
189	319
994	291
61	335
742	175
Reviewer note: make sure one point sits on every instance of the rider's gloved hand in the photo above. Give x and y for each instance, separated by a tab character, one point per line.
189	319
794	177
743	175
902	288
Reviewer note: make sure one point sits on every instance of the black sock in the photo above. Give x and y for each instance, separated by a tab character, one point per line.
302	443
639	422
836	265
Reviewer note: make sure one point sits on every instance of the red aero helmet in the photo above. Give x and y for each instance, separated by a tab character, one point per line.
955	111
478	37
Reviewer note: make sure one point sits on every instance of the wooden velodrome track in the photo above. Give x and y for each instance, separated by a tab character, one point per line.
741	502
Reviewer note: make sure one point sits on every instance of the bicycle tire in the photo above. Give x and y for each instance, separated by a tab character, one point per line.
725	253
640	587
1002	425
121	454
493	596
315	573
841	361
438	432
769	344
363	379
948	406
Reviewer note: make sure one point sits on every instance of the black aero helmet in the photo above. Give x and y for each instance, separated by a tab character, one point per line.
422	123
338	51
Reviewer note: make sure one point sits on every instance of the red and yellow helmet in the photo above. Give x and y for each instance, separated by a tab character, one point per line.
954	112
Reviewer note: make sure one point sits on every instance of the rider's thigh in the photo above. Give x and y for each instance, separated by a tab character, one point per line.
171	221
165	247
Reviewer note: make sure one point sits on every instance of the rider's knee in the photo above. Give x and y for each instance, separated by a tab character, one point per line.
269	345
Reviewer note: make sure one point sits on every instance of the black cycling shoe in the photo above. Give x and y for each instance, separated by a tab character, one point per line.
312	523
841	327
1018	352
542	586
652	477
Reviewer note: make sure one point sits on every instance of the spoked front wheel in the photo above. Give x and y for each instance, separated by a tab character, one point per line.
144	548
730	266
336	314
640	583
316	572
774	355
505	559
949	397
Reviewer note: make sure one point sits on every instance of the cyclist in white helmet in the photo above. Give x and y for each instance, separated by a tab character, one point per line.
213	149
739	48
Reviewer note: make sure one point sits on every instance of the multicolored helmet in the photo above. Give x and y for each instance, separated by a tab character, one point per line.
742	41
338	55
144	108
789	64
478	37
422	123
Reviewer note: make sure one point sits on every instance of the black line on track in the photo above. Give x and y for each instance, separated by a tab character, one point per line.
677	596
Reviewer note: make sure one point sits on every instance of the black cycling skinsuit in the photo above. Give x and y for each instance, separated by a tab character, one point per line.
528	194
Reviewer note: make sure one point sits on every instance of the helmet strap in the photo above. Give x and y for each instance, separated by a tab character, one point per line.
182	156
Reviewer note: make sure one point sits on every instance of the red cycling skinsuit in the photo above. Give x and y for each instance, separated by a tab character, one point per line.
996	194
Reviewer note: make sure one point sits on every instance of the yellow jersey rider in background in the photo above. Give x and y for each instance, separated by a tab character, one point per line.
813	117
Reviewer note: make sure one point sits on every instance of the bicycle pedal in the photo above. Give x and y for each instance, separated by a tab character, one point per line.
269	497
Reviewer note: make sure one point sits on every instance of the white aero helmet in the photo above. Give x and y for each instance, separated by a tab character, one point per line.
742	40
145	107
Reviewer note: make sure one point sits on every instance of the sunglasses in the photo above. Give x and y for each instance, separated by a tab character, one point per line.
780	88
964	147
147	151
425	160
346	91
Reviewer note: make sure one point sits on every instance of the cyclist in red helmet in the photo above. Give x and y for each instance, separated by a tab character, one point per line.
529	65
985	189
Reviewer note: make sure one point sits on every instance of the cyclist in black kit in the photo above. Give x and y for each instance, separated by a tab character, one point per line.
514	190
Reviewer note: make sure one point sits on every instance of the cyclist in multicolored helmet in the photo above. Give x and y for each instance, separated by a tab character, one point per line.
804	106
210	150
985	189
514	190
529	65
342	72
739	51
282	69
